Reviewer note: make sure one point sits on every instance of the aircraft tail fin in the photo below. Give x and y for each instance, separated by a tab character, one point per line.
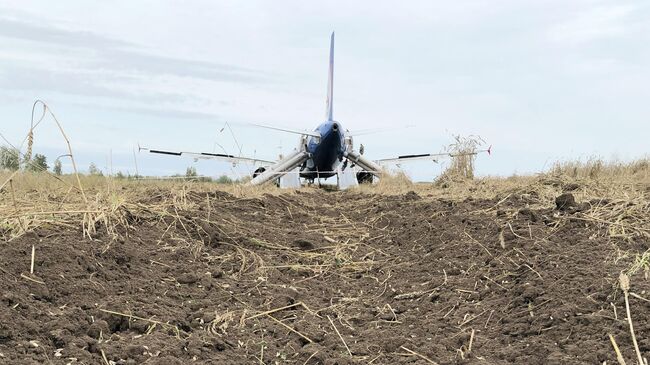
329	112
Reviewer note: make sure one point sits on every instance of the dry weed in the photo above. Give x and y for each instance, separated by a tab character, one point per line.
463	155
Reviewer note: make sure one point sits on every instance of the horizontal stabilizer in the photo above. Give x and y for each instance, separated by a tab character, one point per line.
363	132
288	130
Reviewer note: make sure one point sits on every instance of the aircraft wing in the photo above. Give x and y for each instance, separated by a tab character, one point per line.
208	156
429	156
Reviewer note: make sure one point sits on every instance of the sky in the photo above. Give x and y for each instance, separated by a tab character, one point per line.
540	81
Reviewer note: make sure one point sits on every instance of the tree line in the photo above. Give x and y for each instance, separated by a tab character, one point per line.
11	160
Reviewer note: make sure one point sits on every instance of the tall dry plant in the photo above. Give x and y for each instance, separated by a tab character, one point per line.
463	155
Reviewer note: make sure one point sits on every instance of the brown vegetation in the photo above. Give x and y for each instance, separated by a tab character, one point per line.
509	270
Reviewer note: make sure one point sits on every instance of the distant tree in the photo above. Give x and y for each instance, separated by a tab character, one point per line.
37	164
191	172
120	175
244	179
9	158
57	169
93	170
224	179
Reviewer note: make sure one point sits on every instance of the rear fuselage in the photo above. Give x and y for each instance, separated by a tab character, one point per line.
326	152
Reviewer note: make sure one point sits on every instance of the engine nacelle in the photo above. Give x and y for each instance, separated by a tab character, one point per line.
365	177
258	171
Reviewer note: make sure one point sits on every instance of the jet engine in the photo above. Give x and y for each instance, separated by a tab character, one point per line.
364	177
258	171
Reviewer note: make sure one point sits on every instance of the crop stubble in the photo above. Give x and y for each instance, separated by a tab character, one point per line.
313	277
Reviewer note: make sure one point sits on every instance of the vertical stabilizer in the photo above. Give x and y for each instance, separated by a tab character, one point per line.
329	111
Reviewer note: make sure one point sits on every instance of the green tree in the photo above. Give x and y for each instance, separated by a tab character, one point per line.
57	169
224	179
37	164
93	170
9	158
191	172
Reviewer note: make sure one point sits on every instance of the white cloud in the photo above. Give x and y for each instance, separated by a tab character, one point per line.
592	24
529	77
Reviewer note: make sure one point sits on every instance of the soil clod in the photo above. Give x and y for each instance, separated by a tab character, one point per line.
565	201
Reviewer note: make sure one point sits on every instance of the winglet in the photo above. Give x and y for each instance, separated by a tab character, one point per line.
329	111
489	150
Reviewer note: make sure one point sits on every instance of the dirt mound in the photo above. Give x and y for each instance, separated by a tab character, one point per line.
323	278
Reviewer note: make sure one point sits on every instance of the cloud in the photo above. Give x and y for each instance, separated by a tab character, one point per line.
86	62
172	114
593	24
52	35
169	75
44	60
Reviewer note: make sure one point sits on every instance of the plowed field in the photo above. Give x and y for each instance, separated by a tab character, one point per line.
318	277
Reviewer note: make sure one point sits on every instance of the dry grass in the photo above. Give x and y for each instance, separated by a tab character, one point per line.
463	152
618	198
390	184
618	194
110	207
595	168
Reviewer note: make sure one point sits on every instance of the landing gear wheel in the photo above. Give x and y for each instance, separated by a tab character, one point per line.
364	177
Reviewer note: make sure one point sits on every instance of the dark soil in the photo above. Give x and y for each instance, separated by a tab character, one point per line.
401	278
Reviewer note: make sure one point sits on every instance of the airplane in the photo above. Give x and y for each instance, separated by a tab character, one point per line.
322	153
